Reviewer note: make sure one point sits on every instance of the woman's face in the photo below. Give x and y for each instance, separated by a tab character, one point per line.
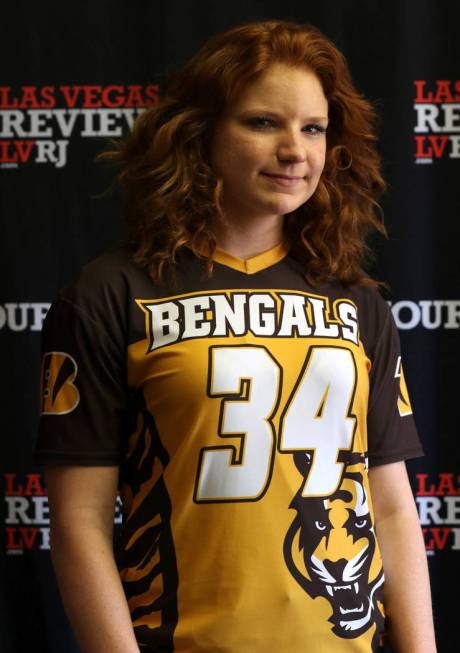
269	146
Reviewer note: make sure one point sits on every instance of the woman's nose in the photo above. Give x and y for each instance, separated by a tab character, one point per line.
291	147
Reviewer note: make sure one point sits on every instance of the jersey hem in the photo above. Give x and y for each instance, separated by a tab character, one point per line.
375	461
68	458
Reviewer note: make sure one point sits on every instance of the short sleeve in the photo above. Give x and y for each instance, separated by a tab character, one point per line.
392	434
83	390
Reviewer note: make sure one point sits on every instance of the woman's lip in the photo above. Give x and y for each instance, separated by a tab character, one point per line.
269	174
283	180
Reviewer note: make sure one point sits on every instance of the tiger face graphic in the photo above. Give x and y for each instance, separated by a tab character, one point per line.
330	549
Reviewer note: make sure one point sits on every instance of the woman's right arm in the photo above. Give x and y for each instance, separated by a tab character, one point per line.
82	504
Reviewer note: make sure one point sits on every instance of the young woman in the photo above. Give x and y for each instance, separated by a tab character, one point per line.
236	376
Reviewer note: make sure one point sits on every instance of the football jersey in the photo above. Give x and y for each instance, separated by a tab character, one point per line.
244	411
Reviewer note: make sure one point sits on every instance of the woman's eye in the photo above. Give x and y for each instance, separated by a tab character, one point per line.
263	122
314	129
260	122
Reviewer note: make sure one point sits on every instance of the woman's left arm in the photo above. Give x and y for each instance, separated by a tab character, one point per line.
407	586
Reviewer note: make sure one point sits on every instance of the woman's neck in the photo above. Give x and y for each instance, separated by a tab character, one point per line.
248	239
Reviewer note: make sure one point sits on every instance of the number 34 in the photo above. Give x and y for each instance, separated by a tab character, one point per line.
316	418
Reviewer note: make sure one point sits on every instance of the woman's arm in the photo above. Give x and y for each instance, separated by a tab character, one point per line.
82	503
407	587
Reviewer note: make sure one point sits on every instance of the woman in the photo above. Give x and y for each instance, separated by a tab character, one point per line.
235	373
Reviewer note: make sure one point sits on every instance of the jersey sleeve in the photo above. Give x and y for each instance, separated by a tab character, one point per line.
83	390
392	434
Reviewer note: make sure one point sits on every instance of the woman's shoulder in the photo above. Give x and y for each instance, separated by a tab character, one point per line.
376	322
373	311
367	297
107	267
370	298
102	286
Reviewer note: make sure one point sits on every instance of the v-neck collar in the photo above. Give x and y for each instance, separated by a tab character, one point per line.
255	263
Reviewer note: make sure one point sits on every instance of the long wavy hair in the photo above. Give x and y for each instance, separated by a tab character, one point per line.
171	194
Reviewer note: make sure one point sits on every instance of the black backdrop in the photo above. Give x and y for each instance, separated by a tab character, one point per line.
73	75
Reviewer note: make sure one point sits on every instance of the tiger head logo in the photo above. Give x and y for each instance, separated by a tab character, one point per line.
330	549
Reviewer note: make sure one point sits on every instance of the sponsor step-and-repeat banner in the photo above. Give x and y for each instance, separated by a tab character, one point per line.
438	120
438	503
38	123
72	81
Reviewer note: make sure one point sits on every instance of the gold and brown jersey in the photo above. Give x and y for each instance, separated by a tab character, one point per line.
244	411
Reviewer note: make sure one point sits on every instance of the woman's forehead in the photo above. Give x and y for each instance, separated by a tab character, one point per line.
279	82
284	86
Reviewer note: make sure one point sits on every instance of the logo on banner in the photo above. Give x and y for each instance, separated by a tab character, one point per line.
438	502
426	313
37	123
23	316
27	516
27	513
437	127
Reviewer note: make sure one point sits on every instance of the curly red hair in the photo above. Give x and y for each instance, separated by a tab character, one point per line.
171	193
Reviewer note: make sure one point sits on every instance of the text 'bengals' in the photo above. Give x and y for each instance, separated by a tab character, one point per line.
265	314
